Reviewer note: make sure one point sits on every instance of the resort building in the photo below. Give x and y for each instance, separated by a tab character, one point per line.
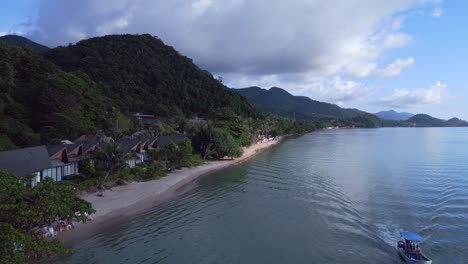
134	147
26	161
61	162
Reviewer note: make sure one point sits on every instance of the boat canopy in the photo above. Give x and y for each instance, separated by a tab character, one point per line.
415	237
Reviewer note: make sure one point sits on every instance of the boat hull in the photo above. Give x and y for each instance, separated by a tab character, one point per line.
423	259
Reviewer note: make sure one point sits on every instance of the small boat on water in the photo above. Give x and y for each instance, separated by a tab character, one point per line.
409	250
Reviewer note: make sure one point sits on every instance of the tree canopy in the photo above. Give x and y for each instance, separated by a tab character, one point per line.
24	210
141	73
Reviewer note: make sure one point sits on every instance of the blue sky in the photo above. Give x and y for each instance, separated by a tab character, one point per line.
408	55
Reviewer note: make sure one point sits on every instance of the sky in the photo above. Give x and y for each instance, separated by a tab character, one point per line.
407	55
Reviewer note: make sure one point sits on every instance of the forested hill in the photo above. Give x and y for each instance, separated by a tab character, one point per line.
280	102
39	102
423	120
22	42
142	74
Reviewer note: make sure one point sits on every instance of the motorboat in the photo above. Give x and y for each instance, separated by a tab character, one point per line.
409	249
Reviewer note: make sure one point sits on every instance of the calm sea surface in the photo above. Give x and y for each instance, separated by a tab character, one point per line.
336	196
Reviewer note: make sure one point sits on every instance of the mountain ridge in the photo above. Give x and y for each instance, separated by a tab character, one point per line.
22	42
155	77
425	120
394	115
278	101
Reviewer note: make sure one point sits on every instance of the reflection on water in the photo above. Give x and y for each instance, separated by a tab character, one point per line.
336	196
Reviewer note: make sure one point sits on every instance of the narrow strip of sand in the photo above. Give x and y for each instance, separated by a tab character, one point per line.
125	201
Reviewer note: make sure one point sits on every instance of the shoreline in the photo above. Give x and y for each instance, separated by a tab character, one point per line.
124	202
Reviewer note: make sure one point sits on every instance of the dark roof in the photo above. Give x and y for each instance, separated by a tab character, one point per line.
53	149
25	161
71	147
87	145
164	140
128	144
151	139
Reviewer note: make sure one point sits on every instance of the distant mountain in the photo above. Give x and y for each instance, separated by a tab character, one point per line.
423	120
457	122
280	102
22	42
393	115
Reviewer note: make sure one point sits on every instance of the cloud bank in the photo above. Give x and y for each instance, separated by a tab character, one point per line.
404	98
312	39
251	37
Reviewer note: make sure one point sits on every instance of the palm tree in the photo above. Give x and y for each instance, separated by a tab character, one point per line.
115	159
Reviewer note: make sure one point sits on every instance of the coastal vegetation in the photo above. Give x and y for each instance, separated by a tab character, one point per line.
25	210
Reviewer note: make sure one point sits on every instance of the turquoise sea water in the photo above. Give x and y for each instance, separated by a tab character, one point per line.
335	196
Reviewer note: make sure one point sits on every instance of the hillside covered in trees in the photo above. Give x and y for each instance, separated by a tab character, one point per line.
142	74
423	120
280	102
40	102
22	42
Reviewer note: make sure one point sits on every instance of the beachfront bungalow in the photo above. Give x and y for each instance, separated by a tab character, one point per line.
26	161
90	143
64	160
133	146
150	145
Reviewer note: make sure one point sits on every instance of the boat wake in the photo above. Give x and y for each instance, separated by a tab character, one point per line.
388	233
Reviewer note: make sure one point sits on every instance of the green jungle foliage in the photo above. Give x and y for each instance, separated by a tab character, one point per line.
365	120
40	103
24	210
142	74
226	133
282	103
143	172
176	156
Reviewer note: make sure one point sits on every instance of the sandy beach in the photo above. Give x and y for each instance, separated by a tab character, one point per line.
123	202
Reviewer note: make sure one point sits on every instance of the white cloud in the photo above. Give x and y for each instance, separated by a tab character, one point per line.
262	42
437	11
333	90
405	98
395	68
370	70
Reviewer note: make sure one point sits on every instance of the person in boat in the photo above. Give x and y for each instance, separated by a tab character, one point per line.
417	251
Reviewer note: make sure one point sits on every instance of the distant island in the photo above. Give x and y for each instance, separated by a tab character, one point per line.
423	120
